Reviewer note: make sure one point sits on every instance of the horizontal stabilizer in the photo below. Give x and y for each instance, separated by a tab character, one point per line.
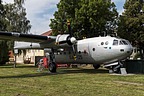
26	45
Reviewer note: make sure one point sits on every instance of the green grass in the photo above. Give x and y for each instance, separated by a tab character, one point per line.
26	81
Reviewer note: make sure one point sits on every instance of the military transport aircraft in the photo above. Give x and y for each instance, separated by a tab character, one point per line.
65	48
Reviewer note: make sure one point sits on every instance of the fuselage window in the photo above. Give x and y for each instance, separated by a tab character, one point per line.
106	43
102	43
115	42
93	49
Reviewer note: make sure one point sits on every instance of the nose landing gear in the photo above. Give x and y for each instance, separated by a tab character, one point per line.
117	68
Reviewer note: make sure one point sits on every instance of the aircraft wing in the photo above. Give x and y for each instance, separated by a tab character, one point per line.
26	37
37	41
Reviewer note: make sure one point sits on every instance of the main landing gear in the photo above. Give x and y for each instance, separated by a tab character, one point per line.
51	61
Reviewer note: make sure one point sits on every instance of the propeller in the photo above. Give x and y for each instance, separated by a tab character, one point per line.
68	39
72	39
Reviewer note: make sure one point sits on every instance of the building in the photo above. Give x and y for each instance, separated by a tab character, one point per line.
28	55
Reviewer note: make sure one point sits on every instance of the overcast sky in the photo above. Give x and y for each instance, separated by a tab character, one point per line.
39	12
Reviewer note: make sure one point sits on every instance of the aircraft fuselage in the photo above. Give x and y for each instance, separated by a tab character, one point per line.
100	50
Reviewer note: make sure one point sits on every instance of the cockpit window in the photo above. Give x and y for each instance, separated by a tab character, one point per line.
115	42
122	42
125	43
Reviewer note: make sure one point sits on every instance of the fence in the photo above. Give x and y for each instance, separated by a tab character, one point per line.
134	66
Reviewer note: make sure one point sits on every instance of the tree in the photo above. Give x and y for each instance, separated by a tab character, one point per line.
12	18
131	23
2	25
3	44
88	18
16	17
66	10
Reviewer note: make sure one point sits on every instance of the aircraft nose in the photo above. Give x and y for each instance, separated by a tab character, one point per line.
131	49
127	49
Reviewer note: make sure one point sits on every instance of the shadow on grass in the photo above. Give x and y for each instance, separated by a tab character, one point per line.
18	66
62	71
89	71
47	73
27	75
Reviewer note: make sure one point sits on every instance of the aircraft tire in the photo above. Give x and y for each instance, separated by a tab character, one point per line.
52	67
96	66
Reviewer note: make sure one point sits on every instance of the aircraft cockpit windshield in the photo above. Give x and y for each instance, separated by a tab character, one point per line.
120	42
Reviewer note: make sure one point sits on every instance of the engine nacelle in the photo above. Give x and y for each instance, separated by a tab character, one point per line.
65	40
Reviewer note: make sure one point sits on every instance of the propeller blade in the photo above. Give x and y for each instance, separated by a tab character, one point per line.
72	39
74	52
69	28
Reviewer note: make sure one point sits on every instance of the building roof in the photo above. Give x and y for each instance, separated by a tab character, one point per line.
48	33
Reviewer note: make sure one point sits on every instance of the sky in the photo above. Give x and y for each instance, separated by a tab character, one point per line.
39	12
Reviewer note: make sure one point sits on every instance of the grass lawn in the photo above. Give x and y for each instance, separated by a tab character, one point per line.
26	81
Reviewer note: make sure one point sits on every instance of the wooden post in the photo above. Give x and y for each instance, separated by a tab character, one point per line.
15	53
15	62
